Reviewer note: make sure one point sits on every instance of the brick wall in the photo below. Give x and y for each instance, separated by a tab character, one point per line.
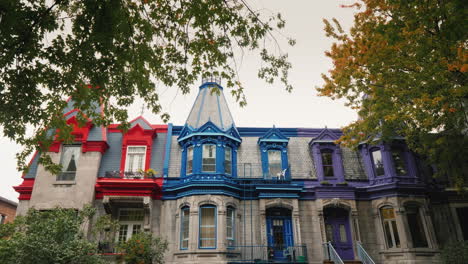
8	211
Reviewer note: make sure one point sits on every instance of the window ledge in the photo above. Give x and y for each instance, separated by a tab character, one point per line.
58	183
429	251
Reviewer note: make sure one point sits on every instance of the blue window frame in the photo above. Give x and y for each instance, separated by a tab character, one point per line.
209	158
231	226
228	160
207	229
184	227
190	160
274	163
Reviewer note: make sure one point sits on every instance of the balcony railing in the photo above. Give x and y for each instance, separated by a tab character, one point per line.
130	175
267	254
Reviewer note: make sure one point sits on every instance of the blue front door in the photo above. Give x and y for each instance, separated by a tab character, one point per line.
279	234
338	232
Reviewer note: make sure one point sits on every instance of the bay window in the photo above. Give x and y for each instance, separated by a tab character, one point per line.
390	229
184	227
230	226
207	229
69	162
399	161
209	158
227	160
190	160
416	227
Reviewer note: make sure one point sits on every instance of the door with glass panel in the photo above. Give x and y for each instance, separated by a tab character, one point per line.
279	233
338	231
130	223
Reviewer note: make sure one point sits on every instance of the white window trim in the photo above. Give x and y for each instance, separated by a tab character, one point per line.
130	224
127	160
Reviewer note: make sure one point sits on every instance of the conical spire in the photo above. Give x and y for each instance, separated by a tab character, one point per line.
210	105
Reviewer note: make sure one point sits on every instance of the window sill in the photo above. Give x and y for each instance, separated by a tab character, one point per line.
429	251
59	183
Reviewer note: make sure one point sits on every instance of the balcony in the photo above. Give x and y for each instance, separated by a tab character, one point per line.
130	175
267	254
119	183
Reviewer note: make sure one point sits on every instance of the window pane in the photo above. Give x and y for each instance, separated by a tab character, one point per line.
327	163
69	162
123	233
329	232
136	229
207	226
184	229
399	161
378	162
209	158
189	159
416	227
274	162
230	222
135	158
395	234
131	215
343	237
388	234
227	160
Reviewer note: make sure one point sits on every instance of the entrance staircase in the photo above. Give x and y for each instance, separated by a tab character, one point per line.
332	257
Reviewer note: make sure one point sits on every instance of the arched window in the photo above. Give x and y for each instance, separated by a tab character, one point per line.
227	160
416	226
190	160
207	229
327	162
230	226
387	213
184	227
377	162
209	158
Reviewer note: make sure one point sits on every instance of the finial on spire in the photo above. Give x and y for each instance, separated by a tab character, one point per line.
142	109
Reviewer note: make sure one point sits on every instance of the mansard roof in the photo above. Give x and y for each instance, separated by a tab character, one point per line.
210	106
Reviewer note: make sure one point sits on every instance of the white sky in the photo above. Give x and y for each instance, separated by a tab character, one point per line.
267	104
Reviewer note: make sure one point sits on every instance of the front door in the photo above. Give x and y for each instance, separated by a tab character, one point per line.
338	232
279	234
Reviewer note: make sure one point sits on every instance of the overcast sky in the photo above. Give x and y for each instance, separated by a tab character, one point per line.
268	105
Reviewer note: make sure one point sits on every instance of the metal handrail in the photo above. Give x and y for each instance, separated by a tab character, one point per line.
330	253
363	255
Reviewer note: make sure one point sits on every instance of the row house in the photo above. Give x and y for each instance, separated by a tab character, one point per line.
225	194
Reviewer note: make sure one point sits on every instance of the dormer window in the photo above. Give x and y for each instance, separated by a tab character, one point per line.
135	158
227	160
209	158
274	162
327	162
377	161
399	161
69	162
190	160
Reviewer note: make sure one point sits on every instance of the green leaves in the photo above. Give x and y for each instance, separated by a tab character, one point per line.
120	49
42	237
143	248
402	68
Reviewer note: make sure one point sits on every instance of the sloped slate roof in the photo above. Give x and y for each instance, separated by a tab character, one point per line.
210	105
